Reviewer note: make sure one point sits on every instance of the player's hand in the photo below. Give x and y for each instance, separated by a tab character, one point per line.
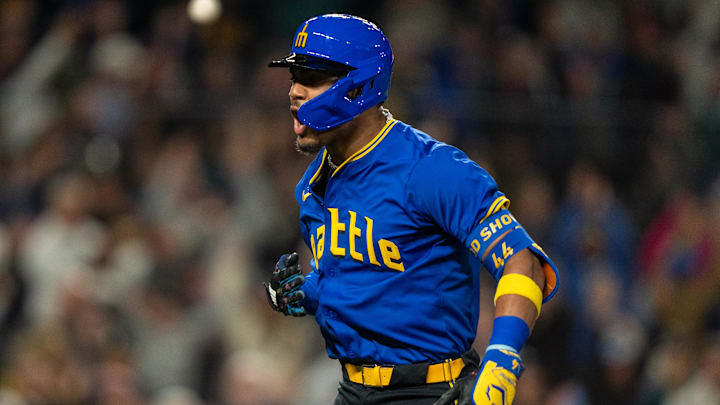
493	384
283	292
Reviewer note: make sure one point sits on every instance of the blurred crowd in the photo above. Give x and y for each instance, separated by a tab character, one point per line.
147	172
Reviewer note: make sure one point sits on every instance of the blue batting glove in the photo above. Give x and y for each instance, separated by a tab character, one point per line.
283	291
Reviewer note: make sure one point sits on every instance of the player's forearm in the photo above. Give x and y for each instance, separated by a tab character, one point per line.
526	264
517	300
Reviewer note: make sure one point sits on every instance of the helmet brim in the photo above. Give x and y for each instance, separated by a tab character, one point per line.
312	63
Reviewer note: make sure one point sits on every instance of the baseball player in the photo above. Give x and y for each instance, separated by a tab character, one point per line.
399	225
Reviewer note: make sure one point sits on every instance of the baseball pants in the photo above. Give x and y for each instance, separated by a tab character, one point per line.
351	393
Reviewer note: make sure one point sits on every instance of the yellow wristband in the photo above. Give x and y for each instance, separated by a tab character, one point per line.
519	285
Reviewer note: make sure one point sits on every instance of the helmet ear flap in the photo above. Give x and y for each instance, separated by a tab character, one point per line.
335	105
331	107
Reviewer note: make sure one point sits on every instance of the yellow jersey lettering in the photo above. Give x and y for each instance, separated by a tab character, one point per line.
389	251
335	227
505	219
320	242
354	232
495	225
475	246
301	38
499	262
391	255
507	252
370	243
486	234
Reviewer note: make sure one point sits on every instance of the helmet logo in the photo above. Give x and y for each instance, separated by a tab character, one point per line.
301	38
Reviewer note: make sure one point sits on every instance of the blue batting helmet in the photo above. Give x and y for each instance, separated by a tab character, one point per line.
341	43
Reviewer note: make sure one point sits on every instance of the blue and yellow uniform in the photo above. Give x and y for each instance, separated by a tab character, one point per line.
398	233
395	232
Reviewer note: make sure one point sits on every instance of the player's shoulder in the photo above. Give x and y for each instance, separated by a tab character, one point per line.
434	154
437	164
418	144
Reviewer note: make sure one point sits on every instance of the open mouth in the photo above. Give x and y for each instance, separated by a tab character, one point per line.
298	127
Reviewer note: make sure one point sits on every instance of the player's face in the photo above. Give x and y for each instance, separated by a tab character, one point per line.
307	84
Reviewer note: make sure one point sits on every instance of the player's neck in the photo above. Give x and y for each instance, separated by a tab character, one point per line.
358	133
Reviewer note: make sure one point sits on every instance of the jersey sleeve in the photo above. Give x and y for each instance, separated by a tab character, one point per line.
459	196
454	192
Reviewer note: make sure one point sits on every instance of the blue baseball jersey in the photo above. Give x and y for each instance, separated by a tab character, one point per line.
394	279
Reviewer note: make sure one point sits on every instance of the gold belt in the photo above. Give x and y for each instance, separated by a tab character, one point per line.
379	376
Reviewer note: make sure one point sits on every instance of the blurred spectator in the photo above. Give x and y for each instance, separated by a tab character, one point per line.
246	380
676	263
62	242
169	339
669	366
703	387
622	348
28	101
592	239
592	231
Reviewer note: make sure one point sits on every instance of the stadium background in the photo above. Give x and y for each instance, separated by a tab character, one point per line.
147	169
